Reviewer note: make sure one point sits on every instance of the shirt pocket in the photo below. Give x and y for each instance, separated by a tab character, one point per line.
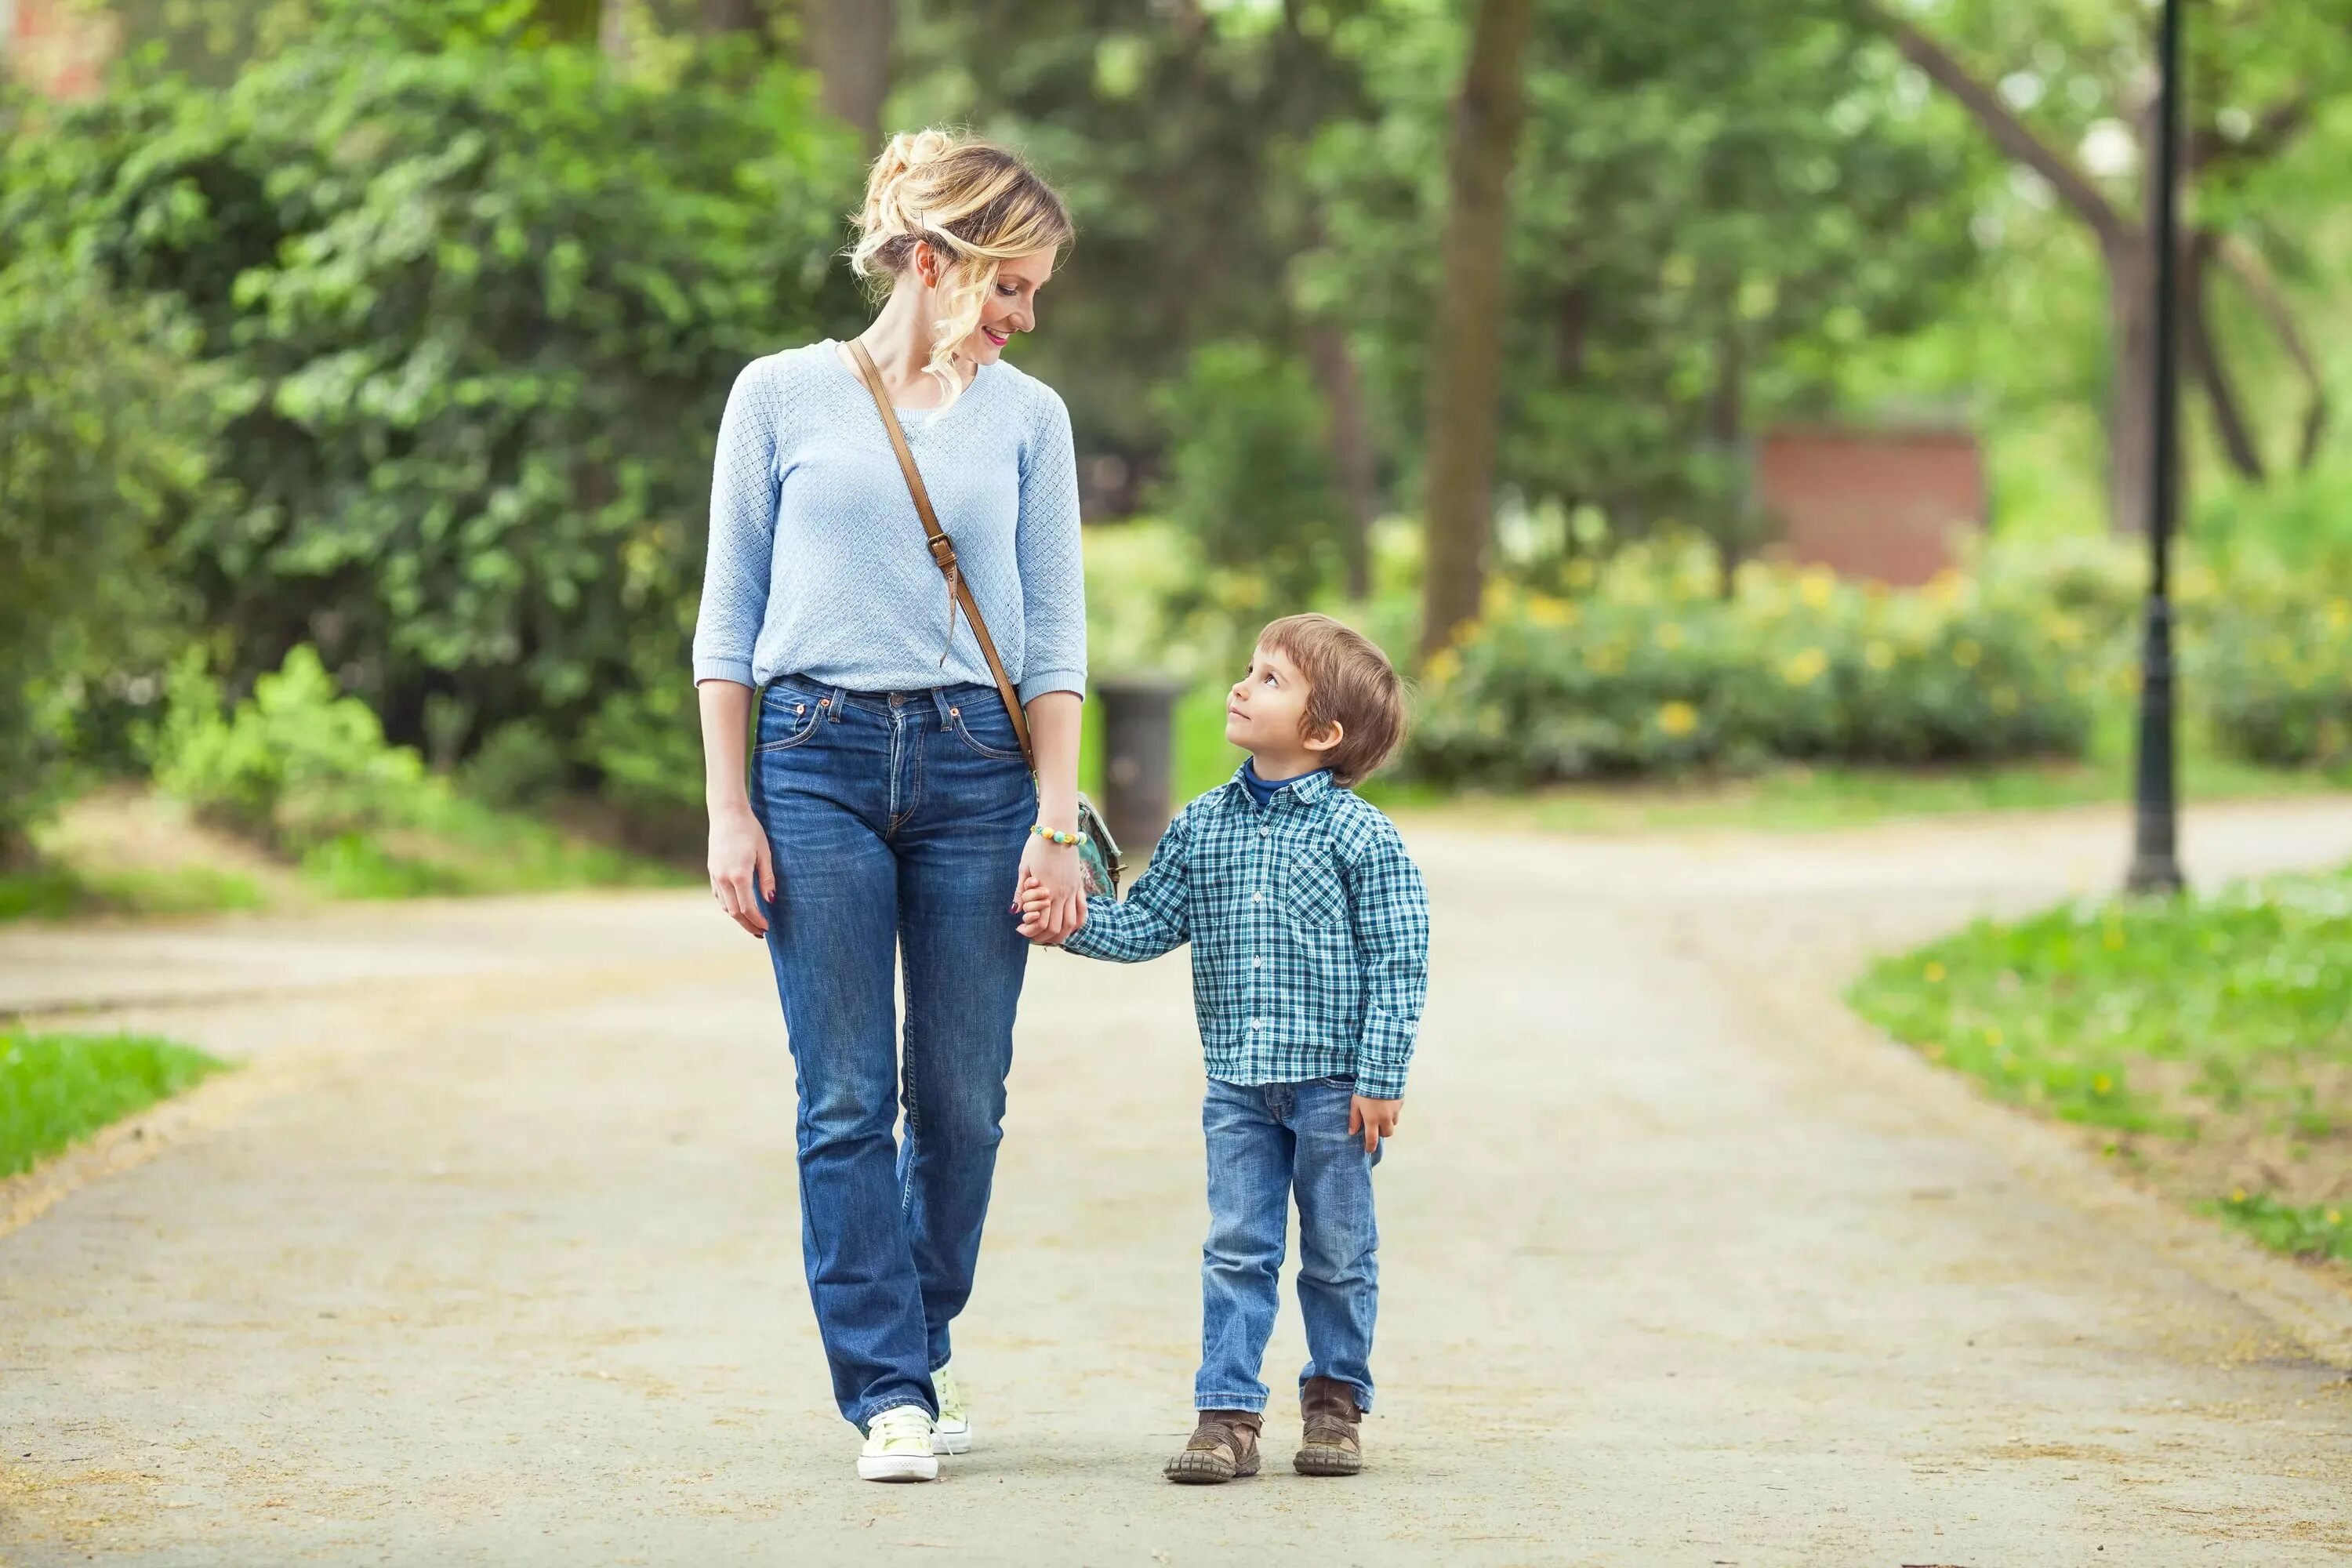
1313	897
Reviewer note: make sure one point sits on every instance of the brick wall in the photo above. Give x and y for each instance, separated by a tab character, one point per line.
60	48
1888	505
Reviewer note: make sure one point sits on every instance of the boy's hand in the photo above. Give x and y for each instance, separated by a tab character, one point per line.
1376	1119
1035	905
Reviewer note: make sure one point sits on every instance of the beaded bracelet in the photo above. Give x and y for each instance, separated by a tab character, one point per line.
1050	836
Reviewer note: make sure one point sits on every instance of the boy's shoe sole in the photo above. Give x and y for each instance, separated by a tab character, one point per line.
951	1442
1197	1468
1317	1461
897	1468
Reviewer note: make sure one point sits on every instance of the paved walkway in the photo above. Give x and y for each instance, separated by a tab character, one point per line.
490	1255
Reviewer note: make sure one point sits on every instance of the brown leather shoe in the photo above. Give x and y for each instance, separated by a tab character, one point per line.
1331	1445
1224	1448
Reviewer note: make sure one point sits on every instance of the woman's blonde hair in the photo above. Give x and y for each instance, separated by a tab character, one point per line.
975	203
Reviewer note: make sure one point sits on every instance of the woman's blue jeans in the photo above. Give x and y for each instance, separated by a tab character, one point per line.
897	822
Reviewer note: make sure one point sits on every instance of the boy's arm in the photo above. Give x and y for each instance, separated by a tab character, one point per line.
1153	917
1390	909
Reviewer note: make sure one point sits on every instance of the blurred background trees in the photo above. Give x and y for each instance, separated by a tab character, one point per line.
427	314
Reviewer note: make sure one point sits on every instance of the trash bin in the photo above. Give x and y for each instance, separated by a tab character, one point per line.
1138	759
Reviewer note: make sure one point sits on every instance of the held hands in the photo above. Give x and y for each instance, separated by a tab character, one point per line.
1376	1118
1051	898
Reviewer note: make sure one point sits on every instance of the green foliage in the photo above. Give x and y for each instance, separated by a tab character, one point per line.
103	441
57	1088
1652	671
51	892
2212	1035
296	765
2317	1231
1249	469
2273	669
481	307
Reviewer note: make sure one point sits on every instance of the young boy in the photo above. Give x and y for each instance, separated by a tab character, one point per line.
1311	951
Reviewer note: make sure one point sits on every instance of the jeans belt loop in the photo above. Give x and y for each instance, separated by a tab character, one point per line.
839	700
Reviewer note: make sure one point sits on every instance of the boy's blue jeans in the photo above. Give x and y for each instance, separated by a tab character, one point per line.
898	823
1267	1142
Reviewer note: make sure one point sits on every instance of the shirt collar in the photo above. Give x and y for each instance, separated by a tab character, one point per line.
1306	791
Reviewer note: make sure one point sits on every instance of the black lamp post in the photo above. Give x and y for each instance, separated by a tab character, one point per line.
2155	864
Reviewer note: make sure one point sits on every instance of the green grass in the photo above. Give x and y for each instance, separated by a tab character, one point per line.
2212	1039
462	848
62	892
57	1089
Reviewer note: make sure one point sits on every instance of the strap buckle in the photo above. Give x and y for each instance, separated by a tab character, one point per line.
943	552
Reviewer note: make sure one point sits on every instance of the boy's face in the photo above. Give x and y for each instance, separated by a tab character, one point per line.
1266	715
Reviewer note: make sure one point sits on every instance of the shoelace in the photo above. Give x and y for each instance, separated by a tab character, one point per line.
902	1424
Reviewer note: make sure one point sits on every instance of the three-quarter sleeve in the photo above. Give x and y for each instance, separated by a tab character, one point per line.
735	574
1053	562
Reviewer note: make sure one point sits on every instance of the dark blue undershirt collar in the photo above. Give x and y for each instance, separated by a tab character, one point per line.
1263	792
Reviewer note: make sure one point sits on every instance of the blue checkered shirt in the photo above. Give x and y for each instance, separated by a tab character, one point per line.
1310	931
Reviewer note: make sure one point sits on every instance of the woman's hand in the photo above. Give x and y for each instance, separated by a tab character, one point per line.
740	862
1054	869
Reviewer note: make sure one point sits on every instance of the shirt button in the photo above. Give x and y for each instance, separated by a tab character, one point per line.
1265	833
1253	1023
1256	962
1257	898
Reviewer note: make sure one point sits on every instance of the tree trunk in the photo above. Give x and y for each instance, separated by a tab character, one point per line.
1465	370
1726	421
2204	352
1351	448
2131	393
730	16
850	43
572	21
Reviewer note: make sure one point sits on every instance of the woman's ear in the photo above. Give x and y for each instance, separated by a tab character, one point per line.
1333	733
927	263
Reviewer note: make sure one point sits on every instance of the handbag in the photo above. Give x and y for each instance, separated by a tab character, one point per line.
1099	853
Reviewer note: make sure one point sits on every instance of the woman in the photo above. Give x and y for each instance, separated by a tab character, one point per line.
888	813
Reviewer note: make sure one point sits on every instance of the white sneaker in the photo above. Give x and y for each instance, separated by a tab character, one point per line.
899	1446
951	1434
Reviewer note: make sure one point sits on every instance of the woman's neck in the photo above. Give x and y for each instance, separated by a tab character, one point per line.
899	340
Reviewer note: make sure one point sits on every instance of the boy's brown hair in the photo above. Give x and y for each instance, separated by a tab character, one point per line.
1350	682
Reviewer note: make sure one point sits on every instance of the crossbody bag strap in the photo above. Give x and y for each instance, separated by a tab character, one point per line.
943	553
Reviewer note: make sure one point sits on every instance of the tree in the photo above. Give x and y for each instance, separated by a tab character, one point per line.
2256	69
852	43
1467	350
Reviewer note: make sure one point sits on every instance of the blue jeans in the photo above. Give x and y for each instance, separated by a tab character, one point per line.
897	822
1267	1142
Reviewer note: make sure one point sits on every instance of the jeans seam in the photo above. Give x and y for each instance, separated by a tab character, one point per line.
890	1404
1253	1403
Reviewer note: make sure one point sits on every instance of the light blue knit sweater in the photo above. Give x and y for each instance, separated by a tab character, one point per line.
818	565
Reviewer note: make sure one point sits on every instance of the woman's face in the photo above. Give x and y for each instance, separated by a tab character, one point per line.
1011	306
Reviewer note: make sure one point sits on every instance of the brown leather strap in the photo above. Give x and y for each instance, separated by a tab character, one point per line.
943	553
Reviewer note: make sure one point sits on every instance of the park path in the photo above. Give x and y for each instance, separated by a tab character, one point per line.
489	1255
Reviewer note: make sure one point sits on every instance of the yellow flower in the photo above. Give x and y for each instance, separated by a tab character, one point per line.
2339	614
2113	939
1546	611
1944	587
1934	974
2237	1194
2335	1217
1967	653
1669	633
1579	572
1815	585
2102	1084
1879	655
1443	666
1805	669
1992	1036
1677	718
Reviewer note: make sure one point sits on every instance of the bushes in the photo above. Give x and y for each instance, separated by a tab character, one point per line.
1651	671
102	441
480	307
297	765
2273	670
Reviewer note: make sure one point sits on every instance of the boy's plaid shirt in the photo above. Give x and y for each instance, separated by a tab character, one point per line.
1310	931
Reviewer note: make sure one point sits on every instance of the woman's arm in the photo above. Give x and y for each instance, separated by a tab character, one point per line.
1054	719
1054	665
741	859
